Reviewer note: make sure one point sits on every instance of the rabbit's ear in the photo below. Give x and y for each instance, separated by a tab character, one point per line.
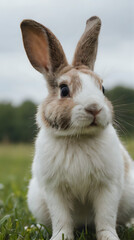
43	49
86	50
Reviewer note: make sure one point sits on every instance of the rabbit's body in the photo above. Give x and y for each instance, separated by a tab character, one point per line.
78	169
78	165
81	174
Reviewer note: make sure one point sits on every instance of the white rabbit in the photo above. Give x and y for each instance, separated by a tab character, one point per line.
81	173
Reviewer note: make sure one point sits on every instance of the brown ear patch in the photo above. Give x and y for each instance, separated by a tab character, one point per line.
36	45
57	56
43	49
86	50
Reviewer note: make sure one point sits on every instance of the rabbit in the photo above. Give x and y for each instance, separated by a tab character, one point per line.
81	172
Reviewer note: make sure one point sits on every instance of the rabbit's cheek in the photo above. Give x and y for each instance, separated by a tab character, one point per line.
57	113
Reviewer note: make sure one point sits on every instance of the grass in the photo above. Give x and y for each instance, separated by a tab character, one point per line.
16	222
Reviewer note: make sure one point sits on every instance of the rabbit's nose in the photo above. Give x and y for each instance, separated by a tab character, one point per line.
93	109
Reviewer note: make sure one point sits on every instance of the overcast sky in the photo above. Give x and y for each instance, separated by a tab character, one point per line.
66	19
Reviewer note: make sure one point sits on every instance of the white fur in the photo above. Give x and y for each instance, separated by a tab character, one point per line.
89	95
79	178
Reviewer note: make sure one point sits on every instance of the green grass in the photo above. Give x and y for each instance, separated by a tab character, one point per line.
16	222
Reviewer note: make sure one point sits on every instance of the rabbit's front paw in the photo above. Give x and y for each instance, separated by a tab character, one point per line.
106	235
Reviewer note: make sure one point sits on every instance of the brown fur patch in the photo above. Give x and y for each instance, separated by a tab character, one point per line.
71	78
86	70
57	112
75	82
64	70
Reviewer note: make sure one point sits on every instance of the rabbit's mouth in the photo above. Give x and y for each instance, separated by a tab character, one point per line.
93	124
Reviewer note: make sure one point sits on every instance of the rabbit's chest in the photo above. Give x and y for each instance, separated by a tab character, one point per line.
80	173
76	168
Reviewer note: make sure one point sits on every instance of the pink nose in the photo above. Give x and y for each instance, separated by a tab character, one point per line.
93	109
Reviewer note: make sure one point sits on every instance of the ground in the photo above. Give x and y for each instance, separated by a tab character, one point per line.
16	222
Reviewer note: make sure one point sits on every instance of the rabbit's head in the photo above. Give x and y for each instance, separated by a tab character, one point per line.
76	103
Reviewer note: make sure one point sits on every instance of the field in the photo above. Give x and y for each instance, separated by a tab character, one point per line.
16	221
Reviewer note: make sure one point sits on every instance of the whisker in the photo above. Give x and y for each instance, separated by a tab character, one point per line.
120	128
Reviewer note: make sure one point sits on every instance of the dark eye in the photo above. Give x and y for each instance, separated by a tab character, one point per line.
103	89
64	90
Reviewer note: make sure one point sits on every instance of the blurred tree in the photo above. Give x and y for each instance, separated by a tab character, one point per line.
17	124
123	101
25	124
7	128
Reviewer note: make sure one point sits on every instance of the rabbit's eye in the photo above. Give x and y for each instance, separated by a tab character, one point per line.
64	90
103	89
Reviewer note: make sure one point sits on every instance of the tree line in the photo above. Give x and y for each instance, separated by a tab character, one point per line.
17	124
